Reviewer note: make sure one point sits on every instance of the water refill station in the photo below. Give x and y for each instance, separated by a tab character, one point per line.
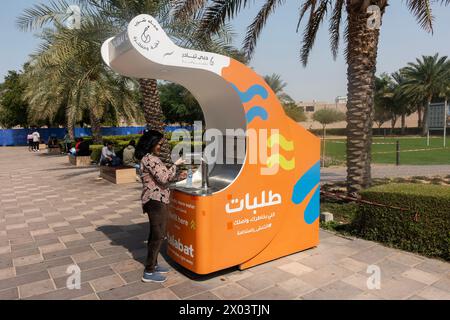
252	209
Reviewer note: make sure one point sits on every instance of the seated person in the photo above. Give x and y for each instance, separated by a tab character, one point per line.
53	142
108	157
77	144
128	156
83	149
130	161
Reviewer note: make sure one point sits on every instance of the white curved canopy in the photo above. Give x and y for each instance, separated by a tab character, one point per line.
145	51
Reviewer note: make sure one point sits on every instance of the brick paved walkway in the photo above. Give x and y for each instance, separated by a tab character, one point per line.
53	215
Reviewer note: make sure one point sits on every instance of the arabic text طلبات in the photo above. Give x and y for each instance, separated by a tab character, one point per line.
273	200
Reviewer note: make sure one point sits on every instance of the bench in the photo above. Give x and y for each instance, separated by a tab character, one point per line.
54	150
80	161
118	175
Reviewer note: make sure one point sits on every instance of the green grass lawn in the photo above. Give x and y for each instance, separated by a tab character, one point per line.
434	154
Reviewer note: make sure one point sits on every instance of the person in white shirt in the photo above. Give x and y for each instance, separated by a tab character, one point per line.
30	142
108	157
36	140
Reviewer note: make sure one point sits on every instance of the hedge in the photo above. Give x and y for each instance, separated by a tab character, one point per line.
424	227
120	145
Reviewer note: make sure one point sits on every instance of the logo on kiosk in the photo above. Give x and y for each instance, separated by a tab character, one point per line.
180	246
239	205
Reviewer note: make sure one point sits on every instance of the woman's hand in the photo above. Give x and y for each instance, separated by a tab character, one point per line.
180	162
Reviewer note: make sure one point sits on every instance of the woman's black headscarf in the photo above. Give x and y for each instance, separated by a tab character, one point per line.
147	142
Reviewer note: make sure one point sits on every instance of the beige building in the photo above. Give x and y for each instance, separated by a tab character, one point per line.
340	104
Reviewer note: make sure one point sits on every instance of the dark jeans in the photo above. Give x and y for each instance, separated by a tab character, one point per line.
157	214
115	162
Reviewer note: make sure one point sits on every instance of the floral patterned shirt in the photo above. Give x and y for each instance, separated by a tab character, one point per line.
156	178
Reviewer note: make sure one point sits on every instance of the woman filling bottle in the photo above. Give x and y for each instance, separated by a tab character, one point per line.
156	178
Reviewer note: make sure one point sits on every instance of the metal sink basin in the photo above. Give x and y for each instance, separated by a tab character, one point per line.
196	191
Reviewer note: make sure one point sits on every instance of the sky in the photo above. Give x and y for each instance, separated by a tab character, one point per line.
323	79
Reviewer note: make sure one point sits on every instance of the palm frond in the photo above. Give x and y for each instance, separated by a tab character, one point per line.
310	33
335	25
254	30
423	12
183	9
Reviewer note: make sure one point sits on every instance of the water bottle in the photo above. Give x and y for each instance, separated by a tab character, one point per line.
189	178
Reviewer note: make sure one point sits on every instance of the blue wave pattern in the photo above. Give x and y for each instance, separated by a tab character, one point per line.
257	112
253	91
303	187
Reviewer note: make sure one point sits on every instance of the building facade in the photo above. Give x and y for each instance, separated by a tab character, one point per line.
340	104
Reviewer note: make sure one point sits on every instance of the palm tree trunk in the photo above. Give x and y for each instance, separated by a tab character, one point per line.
361	59
324	143
96	127
153	114
393	123
403	123
70	124
419	116
425	116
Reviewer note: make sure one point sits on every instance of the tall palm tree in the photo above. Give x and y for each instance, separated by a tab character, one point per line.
67	70
361	54
426	79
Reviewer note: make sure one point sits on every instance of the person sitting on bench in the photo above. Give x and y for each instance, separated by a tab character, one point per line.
52	142
108	157
128	156
83	149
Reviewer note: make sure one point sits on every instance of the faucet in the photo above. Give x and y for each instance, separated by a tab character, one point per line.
205	174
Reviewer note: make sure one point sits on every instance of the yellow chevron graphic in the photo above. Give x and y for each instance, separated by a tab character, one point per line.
282	141
287	165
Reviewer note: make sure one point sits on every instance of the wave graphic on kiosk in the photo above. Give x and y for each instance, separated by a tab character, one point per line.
257	112
305	185
253	91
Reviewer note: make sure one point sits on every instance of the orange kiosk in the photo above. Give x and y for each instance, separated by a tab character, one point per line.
255	208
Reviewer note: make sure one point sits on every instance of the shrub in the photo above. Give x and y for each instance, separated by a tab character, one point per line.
96	152
424	227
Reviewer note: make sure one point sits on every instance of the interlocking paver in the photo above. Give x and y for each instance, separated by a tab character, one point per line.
45	265
256	282
337	290
52	214
7	273
107	283
86	276
432	293
421	276
128	291
24	279
188	288
159	294
9	294
232	291
272	293
36	288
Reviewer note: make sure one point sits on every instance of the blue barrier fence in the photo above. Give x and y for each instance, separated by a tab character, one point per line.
18	137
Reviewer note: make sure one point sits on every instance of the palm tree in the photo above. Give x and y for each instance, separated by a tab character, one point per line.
425	80
277	85
404	104
361	38
117	14
67	71
383	100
